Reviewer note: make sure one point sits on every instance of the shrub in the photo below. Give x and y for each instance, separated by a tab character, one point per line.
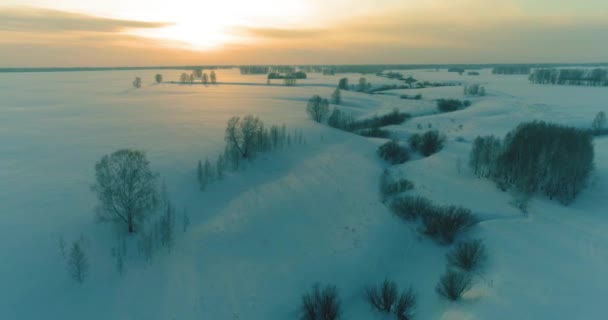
445	223
374	133
389	186
467	256
415	140
340	120
317	108
474	90
453	284
449	105
410	208
383	296
158	78
393	118
408	97
393	152
431	142
321	304
404	309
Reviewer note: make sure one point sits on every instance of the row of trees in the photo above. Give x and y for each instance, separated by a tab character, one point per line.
474	90
245	138
511	69
537	157
581	77
199	74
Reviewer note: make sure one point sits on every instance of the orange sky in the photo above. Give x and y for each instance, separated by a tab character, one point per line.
135	33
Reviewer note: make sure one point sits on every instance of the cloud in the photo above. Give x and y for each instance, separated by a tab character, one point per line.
279	33
52	21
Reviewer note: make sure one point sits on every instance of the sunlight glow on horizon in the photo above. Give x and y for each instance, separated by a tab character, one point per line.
309	31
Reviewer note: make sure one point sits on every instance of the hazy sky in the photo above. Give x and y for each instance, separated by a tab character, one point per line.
172	32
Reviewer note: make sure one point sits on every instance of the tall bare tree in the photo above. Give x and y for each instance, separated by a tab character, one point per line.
126	188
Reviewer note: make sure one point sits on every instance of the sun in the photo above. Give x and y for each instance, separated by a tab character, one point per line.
195	36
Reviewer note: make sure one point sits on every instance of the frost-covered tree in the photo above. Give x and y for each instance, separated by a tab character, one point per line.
213	77
362	86
205	78
410	81
336	96
77	263
127	189
158	78
317	108
198	73
137	83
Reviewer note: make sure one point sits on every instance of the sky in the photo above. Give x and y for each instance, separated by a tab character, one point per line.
73	33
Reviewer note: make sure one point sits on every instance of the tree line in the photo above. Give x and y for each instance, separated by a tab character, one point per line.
537	157
511	69
578	77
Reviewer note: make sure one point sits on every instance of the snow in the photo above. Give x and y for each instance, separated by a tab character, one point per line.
311	213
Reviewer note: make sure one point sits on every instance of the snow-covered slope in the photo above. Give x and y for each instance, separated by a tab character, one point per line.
311	213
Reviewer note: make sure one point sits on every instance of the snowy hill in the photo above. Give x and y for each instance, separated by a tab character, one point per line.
310	213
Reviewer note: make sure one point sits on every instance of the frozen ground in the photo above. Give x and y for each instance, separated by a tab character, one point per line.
263	236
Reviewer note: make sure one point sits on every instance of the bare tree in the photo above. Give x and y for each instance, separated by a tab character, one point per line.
213	77
137	83
78	264
336	97
317	108
198	73
205	78
599	122
126	188
184	77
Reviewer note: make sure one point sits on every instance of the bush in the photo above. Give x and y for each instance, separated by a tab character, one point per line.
321	304
374	133
467	256
389	186
393	118
404	309
158	78
317	108
382	297
453	284
431	142
410	208
415	140
449	105
474	90
444	224
386	299
393	152
340	120
408	97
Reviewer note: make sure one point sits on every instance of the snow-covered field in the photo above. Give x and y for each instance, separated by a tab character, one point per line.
311	213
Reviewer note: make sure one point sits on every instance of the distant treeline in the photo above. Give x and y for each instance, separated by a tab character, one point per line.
289	75
512	69
578	77
332	69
